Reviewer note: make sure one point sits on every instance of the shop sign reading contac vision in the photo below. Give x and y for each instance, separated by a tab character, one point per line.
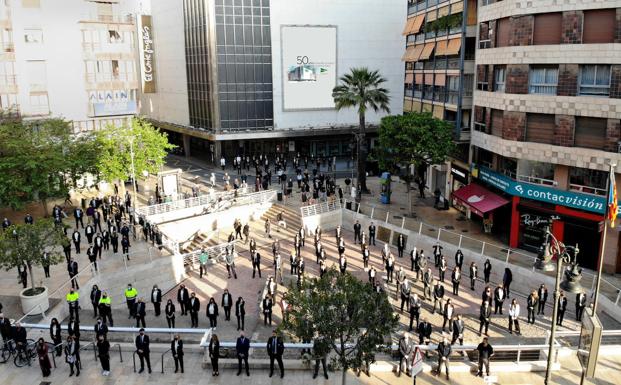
593	203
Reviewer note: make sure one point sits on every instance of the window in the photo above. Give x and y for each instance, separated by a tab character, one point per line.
31	3
540	128
590	132
7	73
8	102
543	80
482	83
547	28
115	69
39	104
36	71
497	122
7	40
599	26
499	78
503	32
33	36
595	80
114	37
588	181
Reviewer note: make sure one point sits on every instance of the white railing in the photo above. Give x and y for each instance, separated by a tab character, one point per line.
203	200
537	180
214	253
587	189
320	208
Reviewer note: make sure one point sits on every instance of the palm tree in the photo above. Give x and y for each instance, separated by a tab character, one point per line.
361	89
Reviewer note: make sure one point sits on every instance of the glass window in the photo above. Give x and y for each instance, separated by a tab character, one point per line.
33	36
499	78
543	80
595	80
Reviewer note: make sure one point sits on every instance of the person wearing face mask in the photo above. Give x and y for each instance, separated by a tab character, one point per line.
194	308
101	329
105	308
103	350
44	359
176	347
242	347
169	310
72	355
142	347
212	313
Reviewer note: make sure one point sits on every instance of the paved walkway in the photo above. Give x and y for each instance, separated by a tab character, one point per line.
608	373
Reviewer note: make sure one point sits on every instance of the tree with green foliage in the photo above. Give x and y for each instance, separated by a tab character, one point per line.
139	140
416	139
24	245
344	311
42	160
361	89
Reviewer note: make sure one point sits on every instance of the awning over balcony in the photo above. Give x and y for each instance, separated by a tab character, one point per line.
412	52
453	46
479	199
441	48
427	50
409	78
413	25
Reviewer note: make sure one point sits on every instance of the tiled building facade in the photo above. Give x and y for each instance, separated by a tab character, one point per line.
547	112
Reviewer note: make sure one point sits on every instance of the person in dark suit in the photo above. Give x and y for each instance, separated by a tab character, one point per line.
78	214
227	304
405	351
458	330
267	309
72	268
100	328
562	307
114	241
400	245
372	234
194	307
212	313
156	299
487	270
542	293
275	349
45	263
72	354
415	305
424	331
581	302
474	272
255	257
357	228
499	298
531	304
169	311
485	314
240	313
140	312
214	354
438	297
142	348
183	297
242	347
321	348
55	334
95	297
176	347
444	351
455	279
103	351
459	258
507	278
73	328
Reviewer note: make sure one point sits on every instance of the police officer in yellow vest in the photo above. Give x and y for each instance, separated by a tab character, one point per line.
74	305
105	308
130	297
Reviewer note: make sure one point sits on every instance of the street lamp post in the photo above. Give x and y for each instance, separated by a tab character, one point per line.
562	256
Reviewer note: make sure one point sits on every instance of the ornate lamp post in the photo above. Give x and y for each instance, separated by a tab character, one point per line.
563	255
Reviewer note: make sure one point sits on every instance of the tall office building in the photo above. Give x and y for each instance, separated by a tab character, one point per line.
439	75
547	110
256	76
74	59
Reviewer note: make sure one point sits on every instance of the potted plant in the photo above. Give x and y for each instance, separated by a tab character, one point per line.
22	246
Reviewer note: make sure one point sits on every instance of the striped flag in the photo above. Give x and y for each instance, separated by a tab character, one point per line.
612	198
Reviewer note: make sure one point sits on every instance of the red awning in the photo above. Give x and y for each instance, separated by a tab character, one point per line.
479	199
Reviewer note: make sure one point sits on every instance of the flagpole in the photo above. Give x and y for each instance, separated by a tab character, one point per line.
602	249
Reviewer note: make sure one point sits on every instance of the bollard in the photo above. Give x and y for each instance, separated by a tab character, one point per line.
387	215
460	238
372	211
402	222
439	232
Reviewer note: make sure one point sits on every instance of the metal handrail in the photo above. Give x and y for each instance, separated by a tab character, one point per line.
86	346
201	200
213	252
53	352
320	208
120	354
163	354
134	359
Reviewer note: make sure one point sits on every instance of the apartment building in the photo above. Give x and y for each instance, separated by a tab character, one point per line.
256	76
74	59
547	122
439	76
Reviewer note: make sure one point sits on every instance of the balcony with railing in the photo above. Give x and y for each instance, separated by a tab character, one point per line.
108	19
536	180
587	189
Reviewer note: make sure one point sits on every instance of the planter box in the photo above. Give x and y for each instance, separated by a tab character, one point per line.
36	304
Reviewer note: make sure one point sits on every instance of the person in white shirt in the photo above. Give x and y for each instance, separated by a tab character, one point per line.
514	313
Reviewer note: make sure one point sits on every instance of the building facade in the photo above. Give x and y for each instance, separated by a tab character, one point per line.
77	61
547	120
257	75
439	76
